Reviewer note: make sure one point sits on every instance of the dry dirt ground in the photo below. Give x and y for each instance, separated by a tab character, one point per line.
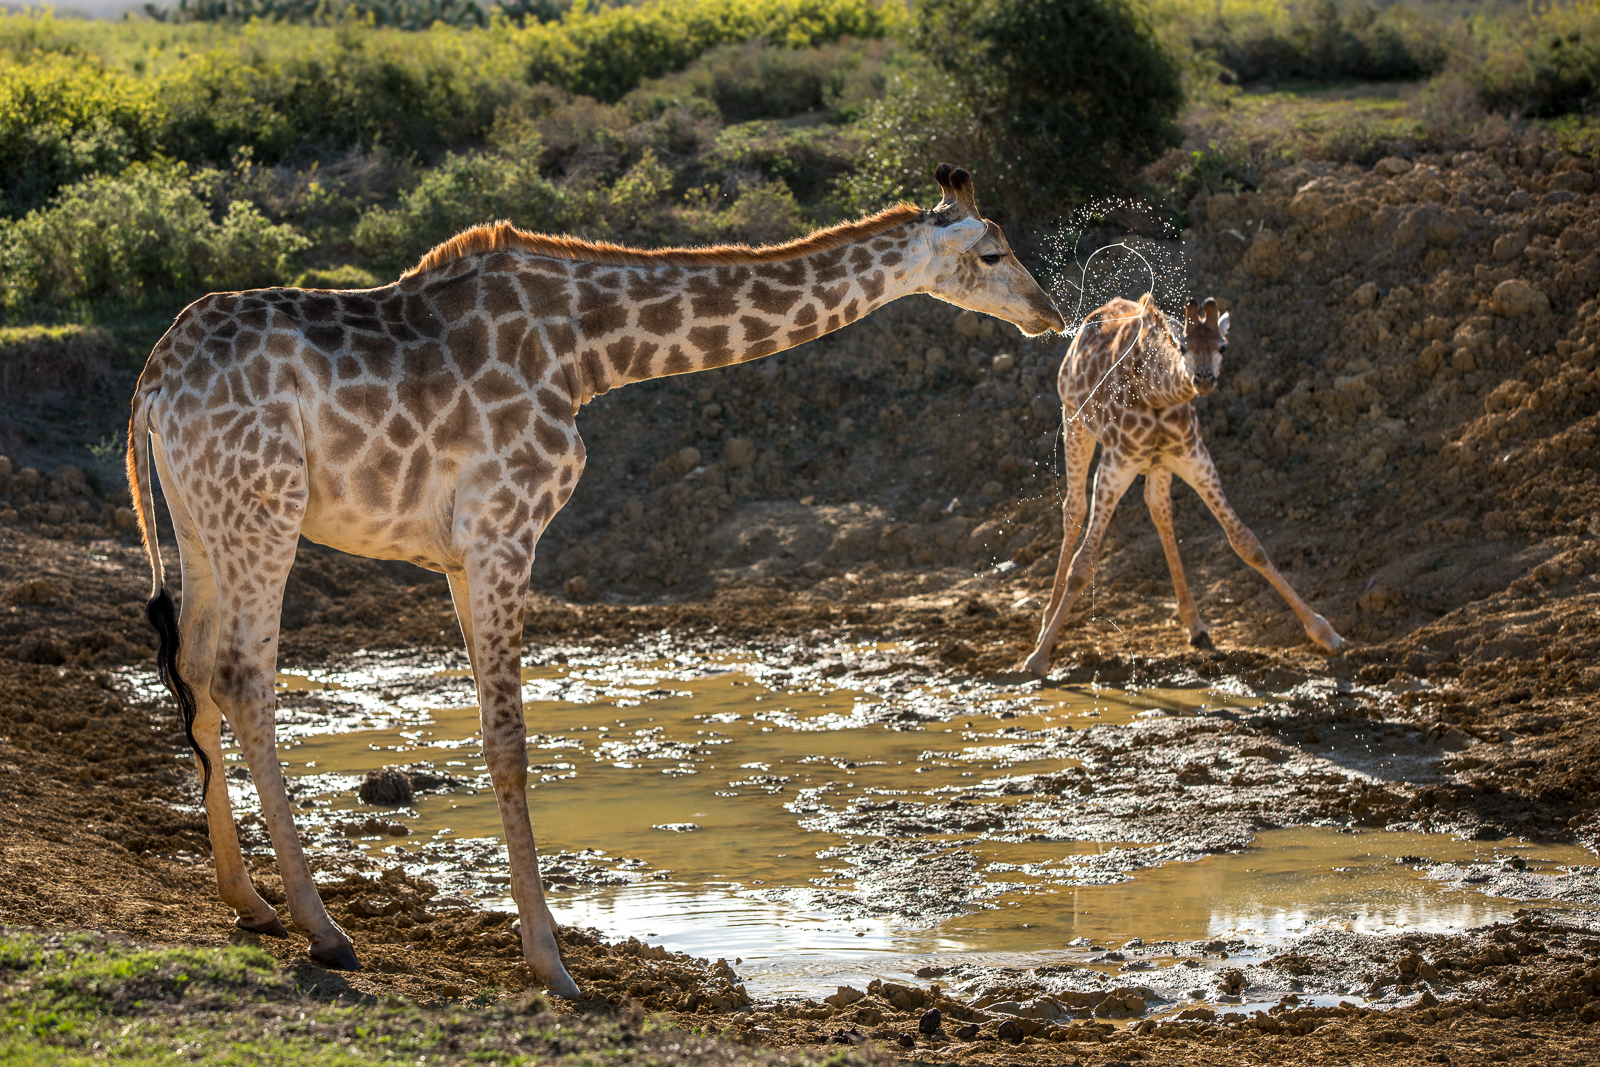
1408	419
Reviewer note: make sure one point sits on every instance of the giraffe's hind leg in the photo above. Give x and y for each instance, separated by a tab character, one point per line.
197	652
1158	498
250	530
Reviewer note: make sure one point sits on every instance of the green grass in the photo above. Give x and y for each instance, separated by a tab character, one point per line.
83	998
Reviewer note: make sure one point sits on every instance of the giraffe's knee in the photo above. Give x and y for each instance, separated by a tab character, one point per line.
1250	550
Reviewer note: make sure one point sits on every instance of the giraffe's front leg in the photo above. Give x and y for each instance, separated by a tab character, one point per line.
1158	498
1078	444
493	590
1201	473
1111	481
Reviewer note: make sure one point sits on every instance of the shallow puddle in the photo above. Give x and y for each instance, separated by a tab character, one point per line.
725	807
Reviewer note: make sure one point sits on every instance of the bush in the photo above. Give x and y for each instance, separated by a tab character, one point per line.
1322	40
756	80
334	90
923	119
149	229
1544	66
1074	96
606	51
464	191
63	117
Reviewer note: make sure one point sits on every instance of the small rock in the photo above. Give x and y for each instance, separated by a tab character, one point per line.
1392	165
1004	362
738	452
1365	295
967	1032
967	325
907	1041
577	588
846	996
1232	981
1515	298
1011	1031
388	787
930	1021
39	592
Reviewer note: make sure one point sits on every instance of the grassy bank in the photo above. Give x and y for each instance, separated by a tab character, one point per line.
82	998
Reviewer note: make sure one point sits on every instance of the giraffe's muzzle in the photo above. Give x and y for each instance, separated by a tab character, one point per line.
1204	384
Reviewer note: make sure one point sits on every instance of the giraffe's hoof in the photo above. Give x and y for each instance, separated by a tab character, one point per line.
1202	640
1037	665
266	929
337	957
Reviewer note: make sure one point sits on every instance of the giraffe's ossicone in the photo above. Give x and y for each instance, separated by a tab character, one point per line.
1128	385
432	420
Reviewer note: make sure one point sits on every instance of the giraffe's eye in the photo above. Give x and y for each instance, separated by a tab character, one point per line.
992	258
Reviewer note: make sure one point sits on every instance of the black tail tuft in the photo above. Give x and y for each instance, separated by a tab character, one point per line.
163	616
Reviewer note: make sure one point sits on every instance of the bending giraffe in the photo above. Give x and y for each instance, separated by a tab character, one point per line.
432	420
1127	384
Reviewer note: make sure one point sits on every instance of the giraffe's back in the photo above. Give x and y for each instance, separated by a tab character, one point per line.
387	403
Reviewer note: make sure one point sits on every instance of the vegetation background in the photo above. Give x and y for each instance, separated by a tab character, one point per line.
227	143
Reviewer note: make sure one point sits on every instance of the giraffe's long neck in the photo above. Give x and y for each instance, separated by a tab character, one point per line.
630	323
1164	376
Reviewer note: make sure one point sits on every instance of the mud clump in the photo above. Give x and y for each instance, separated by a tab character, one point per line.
387	787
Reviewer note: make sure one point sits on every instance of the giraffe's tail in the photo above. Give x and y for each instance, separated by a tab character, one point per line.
159	610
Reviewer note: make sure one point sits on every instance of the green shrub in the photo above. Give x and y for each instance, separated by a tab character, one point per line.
401	14
1543	66
149	229
606	51
63	117
763	213
463	191
1323	40
757	80
923	119
335	89
1073	96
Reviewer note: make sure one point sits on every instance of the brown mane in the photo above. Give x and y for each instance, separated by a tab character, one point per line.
502	236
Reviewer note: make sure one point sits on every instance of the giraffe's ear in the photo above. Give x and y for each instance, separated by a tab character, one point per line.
959	193
956	238
1222	325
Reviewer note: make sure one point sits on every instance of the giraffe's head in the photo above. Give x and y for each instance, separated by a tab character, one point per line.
1205	338
972	265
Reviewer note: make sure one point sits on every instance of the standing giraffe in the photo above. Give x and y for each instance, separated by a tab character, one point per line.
1128	383
432	421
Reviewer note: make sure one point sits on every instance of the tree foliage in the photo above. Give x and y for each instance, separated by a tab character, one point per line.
1074	94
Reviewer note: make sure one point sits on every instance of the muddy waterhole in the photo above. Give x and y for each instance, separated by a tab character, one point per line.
832	814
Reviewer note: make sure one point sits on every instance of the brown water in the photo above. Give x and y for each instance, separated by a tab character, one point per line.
689	779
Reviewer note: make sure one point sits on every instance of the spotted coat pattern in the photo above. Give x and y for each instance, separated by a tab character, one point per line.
432	420
1127	385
